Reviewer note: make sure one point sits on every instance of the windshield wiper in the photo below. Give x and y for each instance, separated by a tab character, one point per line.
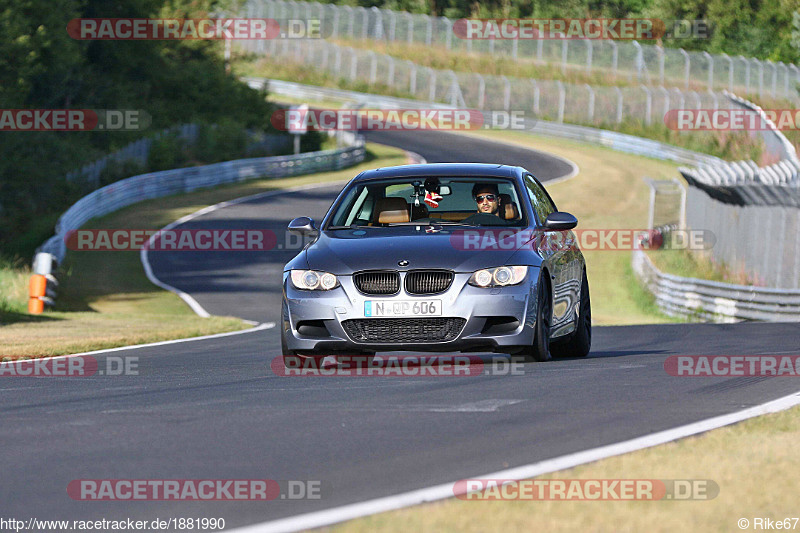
351	226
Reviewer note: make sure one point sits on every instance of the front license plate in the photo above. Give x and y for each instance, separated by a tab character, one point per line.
403	308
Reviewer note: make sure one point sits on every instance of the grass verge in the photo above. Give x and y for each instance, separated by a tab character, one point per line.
752	463
106	300
700	265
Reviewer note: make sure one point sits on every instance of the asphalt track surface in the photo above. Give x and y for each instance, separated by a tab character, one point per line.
213	409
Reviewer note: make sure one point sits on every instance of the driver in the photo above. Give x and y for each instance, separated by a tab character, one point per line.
487	197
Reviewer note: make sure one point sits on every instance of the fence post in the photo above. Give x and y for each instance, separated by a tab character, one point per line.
614	58
432	85
390	74
364	22
412	77
697	102
392	24
562	97
410	28
686	67
710	70
681	99
589	53
535	96
730	72
514	48
564	52
539	48
325	53
774	77
639	60
590	110
619	104
760	77
351	22
506	93
335	30
665	93
661	55
785	80
714	99
378	22
373	67
429	30
481	92
353	64
746	73
648	107
448	40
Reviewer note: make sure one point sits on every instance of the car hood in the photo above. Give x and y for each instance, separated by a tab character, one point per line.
343	252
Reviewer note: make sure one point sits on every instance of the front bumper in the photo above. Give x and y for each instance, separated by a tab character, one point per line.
495	319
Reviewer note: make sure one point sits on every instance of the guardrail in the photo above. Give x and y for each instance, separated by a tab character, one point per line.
157	184
712	300
611	139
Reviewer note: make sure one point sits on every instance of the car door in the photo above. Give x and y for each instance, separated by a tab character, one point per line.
560	253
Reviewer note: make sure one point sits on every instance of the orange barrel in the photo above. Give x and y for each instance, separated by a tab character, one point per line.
35	306
38	286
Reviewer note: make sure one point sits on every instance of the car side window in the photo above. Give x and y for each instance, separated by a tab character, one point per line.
539	199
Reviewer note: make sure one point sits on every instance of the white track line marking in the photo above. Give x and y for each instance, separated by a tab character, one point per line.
190	301
260	327
445	490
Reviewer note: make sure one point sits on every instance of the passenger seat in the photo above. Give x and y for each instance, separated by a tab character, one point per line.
392	211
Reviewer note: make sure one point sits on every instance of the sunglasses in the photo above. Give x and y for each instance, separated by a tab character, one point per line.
481	197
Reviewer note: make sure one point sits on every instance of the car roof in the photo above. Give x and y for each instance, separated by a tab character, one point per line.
442	169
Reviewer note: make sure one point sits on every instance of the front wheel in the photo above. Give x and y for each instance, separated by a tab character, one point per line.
579	342
540	349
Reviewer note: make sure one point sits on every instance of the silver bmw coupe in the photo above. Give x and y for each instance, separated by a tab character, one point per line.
442	257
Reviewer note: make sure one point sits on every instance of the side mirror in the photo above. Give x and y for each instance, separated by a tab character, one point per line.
560	221
302	226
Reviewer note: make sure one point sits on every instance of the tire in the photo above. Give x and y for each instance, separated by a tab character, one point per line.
539	351
579	343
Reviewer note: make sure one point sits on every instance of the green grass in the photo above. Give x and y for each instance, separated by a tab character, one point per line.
691	264
105	300
754	463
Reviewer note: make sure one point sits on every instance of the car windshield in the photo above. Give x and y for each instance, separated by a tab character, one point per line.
433	200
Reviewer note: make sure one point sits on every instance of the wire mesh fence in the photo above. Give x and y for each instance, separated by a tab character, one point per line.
546	99
641	63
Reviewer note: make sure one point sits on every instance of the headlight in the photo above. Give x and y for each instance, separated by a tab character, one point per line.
499	276
313	280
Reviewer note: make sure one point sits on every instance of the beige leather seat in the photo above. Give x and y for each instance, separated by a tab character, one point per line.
508	209
392	211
